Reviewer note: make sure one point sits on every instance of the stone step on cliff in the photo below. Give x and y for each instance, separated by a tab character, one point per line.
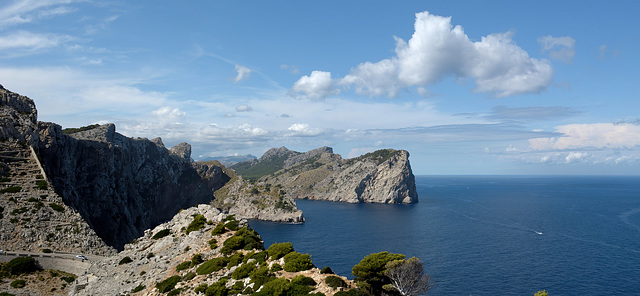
34	217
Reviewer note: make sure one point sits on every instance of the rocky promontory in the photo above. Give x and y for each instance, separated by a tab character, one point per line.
383	176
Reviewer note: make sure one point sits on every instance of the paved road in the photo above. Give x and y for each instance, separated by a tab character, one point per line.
61	261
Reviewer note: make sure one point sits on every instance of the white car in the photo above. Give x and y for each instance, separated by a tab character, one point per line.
82	257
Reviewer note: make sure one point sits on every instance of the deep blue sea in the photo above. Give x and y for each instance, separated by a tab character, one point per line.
489	235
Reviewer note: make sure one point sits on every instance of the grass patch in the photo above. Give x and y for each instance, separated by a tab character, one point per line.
11	189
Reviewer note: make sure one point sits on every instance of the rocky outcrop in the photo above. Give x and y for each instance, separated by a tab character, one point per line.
121	185
18	118
33	217
182	255
383	176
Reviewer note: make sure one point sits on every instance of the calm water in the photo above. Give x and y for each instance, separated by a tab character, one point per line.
489	235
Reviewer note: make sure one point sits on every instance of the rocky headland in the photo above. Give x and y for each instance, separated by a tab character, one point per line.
383	176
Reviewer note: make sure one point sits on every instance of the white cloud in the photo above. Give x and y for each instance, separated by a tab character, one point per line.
243	73
291	68
438	50
303	129
244	108
24	11
28	41
316	86
559	48
168	114
596	135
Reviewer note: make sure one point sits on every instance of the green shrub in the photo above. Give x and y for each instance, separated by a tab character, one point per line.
69	278
217	289
326	270
71	130
125	260
369	273
5	179
18	284
219	229
213	243
47	251
212	265
260	257
334	281
201	289
303	280
235	259
276	267
196	259
161	234
352	292
19	211
138	288
244	238
278	250
56	207
198	223
242	271
174	292
189	276
260	276
168	284
184	265
231	225
21	265
11	189
42	184
7	294
295	261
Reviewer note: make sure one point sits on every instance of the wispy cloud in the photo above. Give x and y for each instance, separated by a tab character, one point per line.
243	73
438	50
23	42
558	48
25	11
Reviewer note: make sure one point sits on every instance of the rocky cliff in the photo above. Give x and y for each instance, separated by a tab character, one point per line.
121	185
383	176
33	217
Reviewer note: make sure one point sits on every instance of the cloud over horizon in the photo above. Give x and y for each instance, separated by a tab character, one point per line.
436	51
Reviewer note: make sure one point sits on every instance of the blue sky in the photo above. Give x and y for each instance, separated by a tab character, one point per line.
467	87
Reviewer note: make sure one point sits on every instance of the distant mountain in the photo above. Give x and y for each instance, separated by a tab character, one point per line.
230	160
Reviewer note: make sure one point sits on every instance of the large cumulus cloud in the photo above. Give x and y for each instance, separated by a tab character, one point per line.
439	50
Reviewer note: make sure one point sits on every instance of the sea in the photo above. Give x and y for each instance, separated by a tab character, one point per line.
488	235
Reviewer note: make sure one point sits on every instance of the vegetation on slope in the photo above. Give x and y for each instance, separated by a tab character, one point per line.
73	130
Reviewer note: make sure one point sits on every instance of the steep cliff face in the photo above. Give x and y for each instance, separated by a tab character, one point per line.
120	185
383	176
32	216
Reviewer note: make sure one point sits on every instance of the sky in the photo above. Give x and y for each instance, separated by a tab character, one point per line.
467	87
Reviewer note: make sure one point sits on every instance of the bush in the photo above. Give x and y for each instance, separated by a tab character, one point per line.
334	281
294	262
276	267
18	284
231	225
213	243
278	250
260	276
47	251
42	184
189	276
326	270
260	257
217	289
138	288
235	259
212	265
352	292
168	284
69	279
200	289
244	238
161	234
369	273
56	207
11	189
21	265
219	229
303	280
125	260
242	271
198	223
196	259
184	265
